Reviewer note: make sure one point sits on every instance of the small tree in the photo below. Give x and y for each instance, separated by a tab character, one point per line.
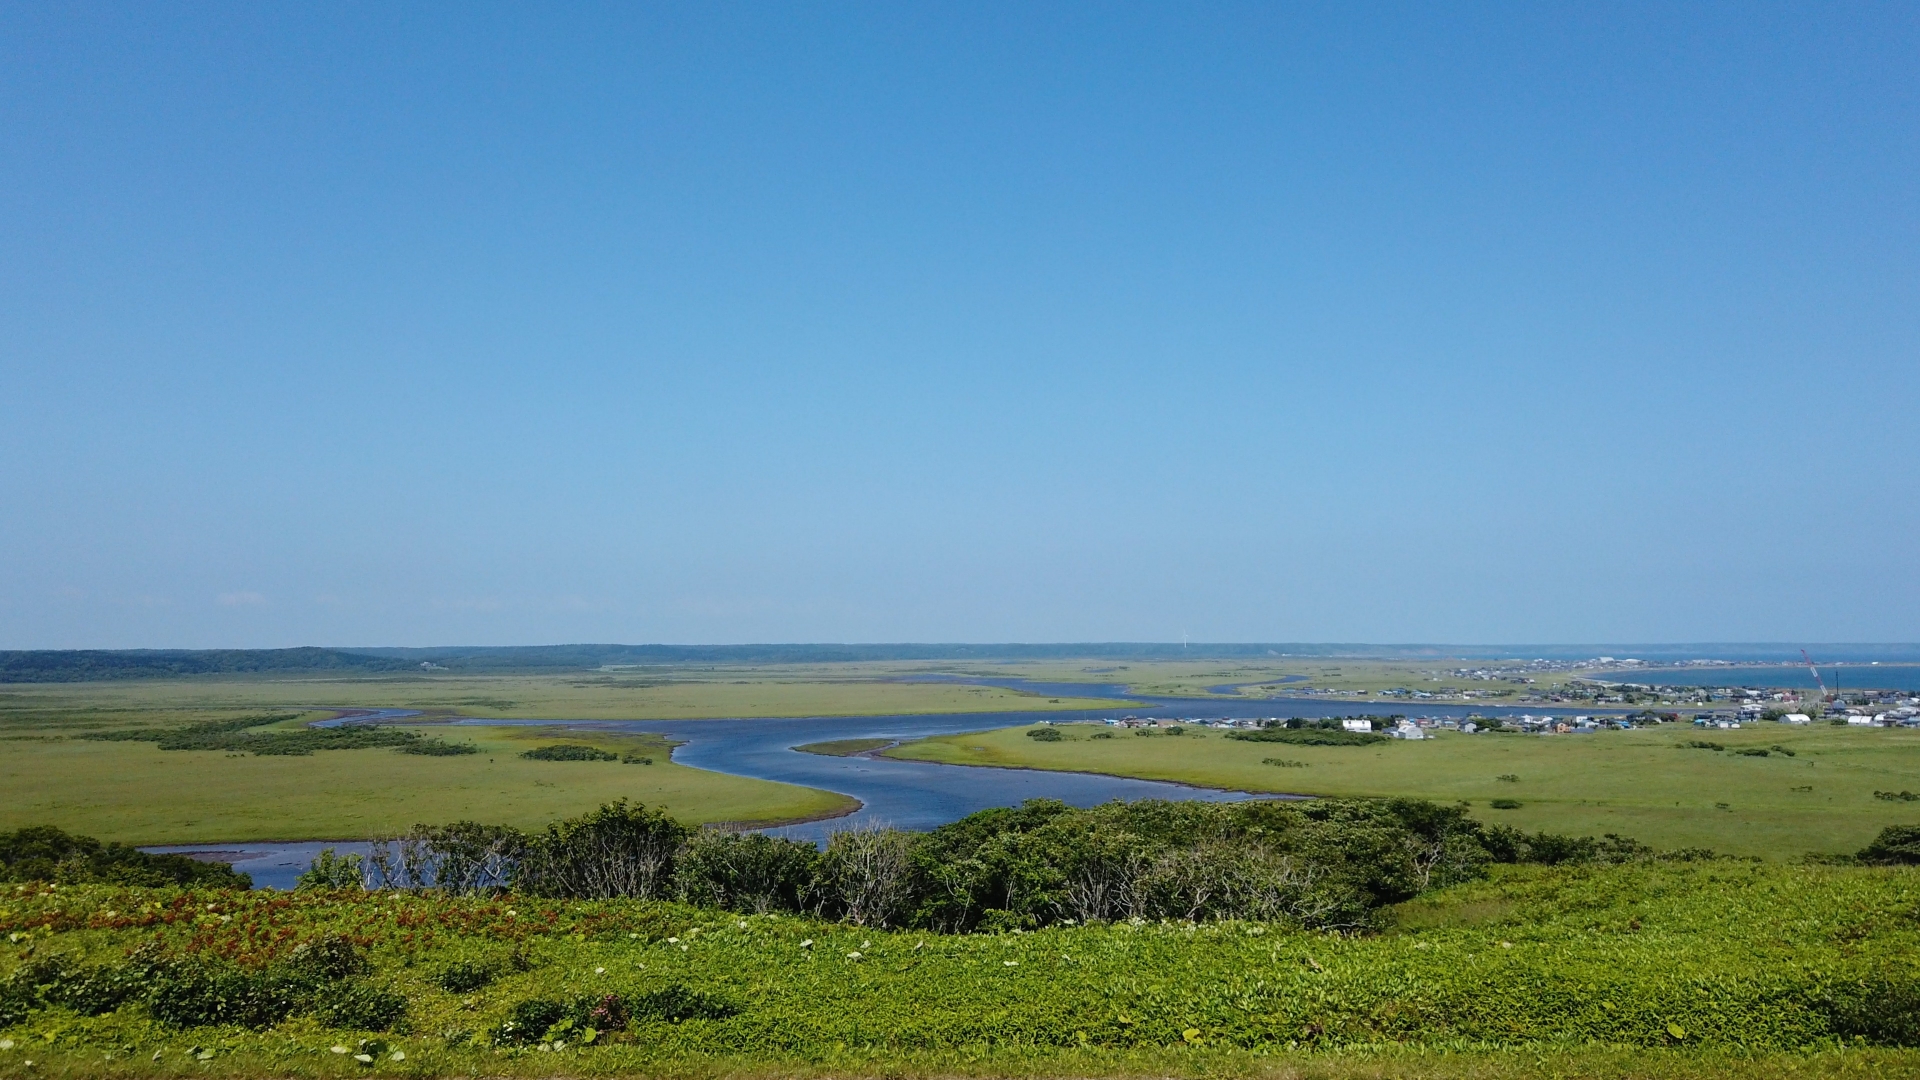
865	875
744	872
617	850
330	870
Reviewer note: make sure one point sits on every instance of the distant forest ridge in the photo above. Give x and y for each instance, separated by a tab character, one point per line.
76	665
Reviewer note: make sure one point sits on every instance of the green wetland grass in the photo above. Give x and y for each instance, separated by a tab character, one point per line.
1815	790
1716	968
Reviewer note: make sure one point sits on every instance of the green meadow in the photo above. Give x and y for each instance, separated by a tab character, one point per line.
51	773
672	693
1650	969
1643	783
135	793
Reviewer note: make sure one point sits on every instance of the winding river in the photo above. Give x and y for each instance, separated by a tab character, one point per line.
903	794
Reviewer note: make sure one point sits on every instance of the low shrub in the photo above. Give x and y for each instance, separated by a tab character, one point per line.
1897	845
439	748
1505	804
360	1006
610	1013
529	1021
1283	763
327	958
89	990
635	759
1102	735
1698	744
465	976
1751	751
198	993
1044	734
1897	796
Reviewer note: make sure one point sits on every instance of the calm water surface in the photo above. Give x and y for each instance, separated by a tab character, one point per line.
901	794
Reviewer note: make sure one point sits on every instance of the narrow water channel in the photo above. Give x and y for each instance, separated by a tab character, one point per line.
902	794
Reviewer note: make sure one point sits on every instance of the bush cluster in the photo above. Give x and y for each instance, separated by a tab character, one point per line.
1327	863
237	736
1897	845
44	853
321	979
547	1020
570	752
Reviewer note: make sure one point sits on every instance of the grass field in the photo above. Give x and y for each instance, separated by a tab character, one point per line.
132	792
673	694
1713	969
1638	783
135	793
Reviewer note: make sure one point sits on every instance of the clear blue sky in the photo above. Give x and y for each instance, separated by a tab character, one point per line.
434	324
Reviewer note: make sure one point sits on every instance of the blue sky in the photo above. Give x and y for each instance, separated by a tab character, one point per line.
435	324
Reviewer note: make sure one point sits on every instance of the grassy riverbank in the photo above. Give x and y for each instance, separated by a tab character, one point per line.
1650	969
51	771
137	793
675	693
1644	783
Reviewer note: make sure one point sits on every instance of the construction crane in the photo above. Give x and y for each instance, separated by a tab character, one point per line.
1822	683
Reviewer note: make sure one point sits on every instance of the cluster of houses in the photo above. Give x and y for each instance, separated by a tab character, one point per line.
1894	713
1890	713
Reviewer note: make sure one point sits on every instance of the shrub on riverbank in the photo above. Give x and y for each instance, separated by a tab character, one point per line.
1327	863
48	854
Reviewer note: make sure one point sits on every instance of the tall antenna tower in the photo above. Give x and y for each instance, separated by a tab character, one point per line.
1818	681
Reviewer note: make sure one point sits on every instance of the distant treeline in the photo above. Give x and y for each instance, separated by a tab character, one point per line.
80	665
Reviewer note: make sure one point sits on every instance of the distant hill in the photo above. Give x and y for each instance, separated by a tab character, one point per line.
80	665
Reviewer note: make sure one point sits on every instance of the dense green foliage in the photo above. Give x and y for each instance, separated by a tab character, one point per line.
1700	958
1897	845
45	853
189	988
1329	863
569	752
